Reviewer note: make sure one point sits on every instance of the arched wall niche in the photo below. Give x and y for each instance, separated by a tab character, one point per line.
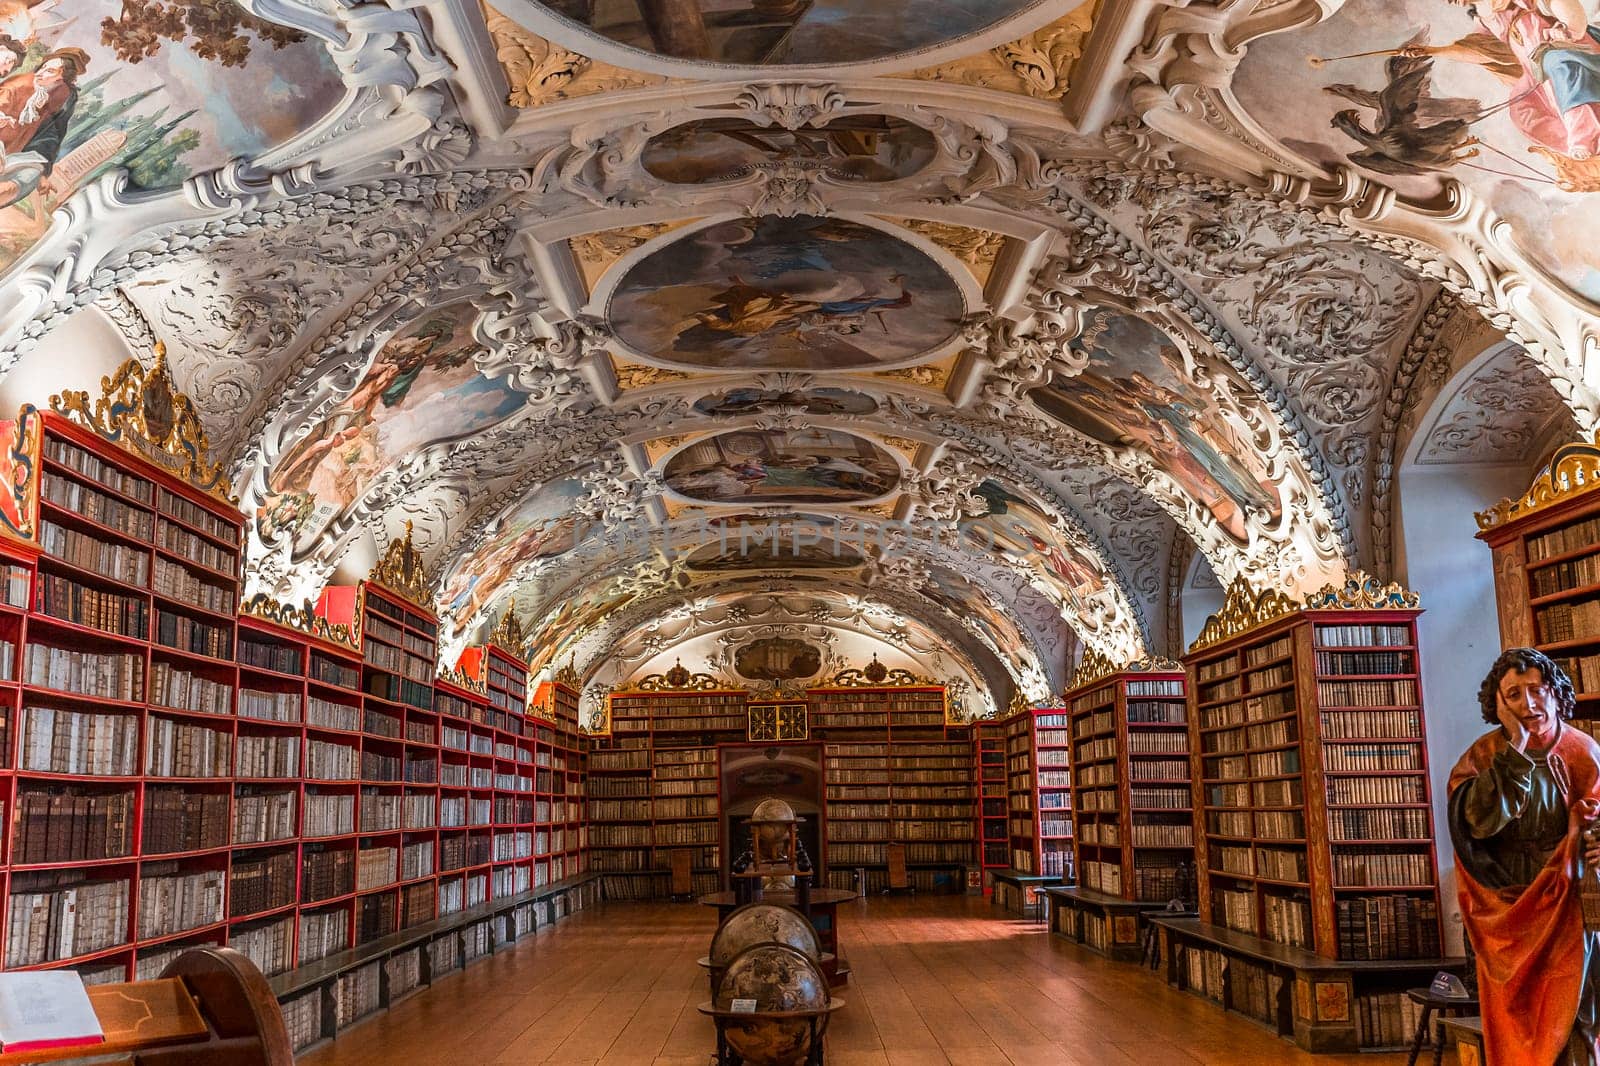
1481	438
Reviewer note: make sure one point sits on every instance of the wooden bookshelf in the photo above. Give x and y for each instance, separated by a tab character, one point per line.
562	758
1039	779
1546	552
256	773
896	773
1132	799
994	840
1022	804
1312	804
653	783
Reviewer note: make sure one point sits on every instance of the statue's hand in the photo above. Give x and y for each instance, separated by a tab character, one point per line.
1516	732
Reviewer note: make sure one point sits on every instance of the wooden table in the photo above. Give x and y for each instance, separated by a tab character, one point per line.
824	919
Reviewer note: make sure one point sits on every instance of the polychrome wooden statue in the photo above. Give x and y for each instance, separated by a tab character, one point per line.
1520	800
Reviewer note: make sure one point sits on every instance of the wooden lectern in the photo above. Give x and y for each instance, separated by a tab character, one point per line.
210	1007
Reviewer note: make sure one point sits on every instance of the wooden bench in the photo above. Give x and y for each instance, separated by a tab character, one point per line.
1102	923
1020	893
1294	992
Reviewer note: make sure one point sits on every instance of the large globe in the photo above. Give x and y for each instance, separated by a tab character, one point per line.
769	826
778	979
763	923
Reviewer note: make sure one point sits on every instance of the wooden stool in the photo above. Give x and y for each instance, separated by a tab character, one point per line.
1430	1001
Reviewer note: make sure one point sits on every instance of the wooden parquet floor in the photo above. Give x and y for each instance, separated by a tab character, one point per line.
937	980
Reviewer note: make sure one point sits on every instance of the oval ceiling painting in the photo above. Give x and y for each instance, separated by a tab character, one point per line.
782	466
864	148
823	401
786	294
768	548
786	32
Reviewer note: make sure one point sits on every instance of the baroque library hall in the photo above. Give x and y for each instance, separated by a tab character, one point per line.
799	532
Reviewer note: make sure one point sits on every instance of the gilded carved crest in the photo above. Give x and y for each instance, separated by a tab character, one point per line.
876	675
141	411
302	619
568	676
1243	609
400	571
1094	666
458	676
1573	469
1362	592
508	633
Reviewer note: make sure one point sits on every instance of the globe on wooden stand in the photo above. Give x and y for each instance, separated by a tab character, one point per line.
760	923
771	1008
775	859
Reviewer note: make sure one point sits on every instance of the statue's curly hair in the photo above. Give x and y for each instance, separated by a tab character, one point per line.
1520	660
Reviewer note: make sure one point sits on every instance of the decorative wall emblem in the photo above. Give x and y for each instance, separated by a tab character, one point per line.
401	572
1362	592
777	659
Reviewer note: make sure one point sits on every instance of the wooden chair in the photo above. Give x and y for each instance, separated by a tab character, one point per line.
210	1007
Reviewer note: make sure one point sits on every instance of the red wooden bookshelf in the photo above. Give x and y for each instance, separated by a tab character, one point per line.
1132	796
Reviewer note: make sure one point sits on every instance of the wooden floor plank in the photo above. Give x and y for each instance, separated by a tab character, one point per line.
938	981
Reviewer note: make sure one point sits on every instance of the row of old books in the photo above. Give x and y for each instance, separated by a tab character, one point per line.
170	902
120	562
328	814
268	757
96	506
68	825
193	636
176	820
111	612
170	503
93	467
181	583
269	945
260	817
185	749
177	688
326	874
1359	866
64	921
108	675
175	538
262	883
1387	927
60	741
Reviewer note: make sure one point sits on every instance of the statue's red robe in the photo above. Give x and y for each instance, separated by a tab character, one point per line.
1529	940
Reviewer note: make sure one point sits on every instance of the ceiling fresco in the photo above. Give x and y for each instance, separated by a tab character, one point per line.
423	378
808	466
1135	392
981	325
776	293
1499	96
785	32
142	89
869	148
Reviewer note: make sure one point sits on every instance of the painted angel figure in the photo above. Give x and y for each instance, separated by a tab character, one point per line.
1548	53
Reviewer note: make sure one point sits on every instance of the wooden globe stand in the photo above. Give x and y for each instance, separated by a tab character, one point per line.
770	859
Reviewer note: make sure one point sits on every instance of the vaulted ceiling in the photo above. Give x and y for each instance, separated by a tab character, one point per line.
950	332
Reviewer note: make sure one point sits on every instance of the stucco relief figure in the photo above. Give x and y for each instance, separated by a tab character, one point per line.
1520	800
